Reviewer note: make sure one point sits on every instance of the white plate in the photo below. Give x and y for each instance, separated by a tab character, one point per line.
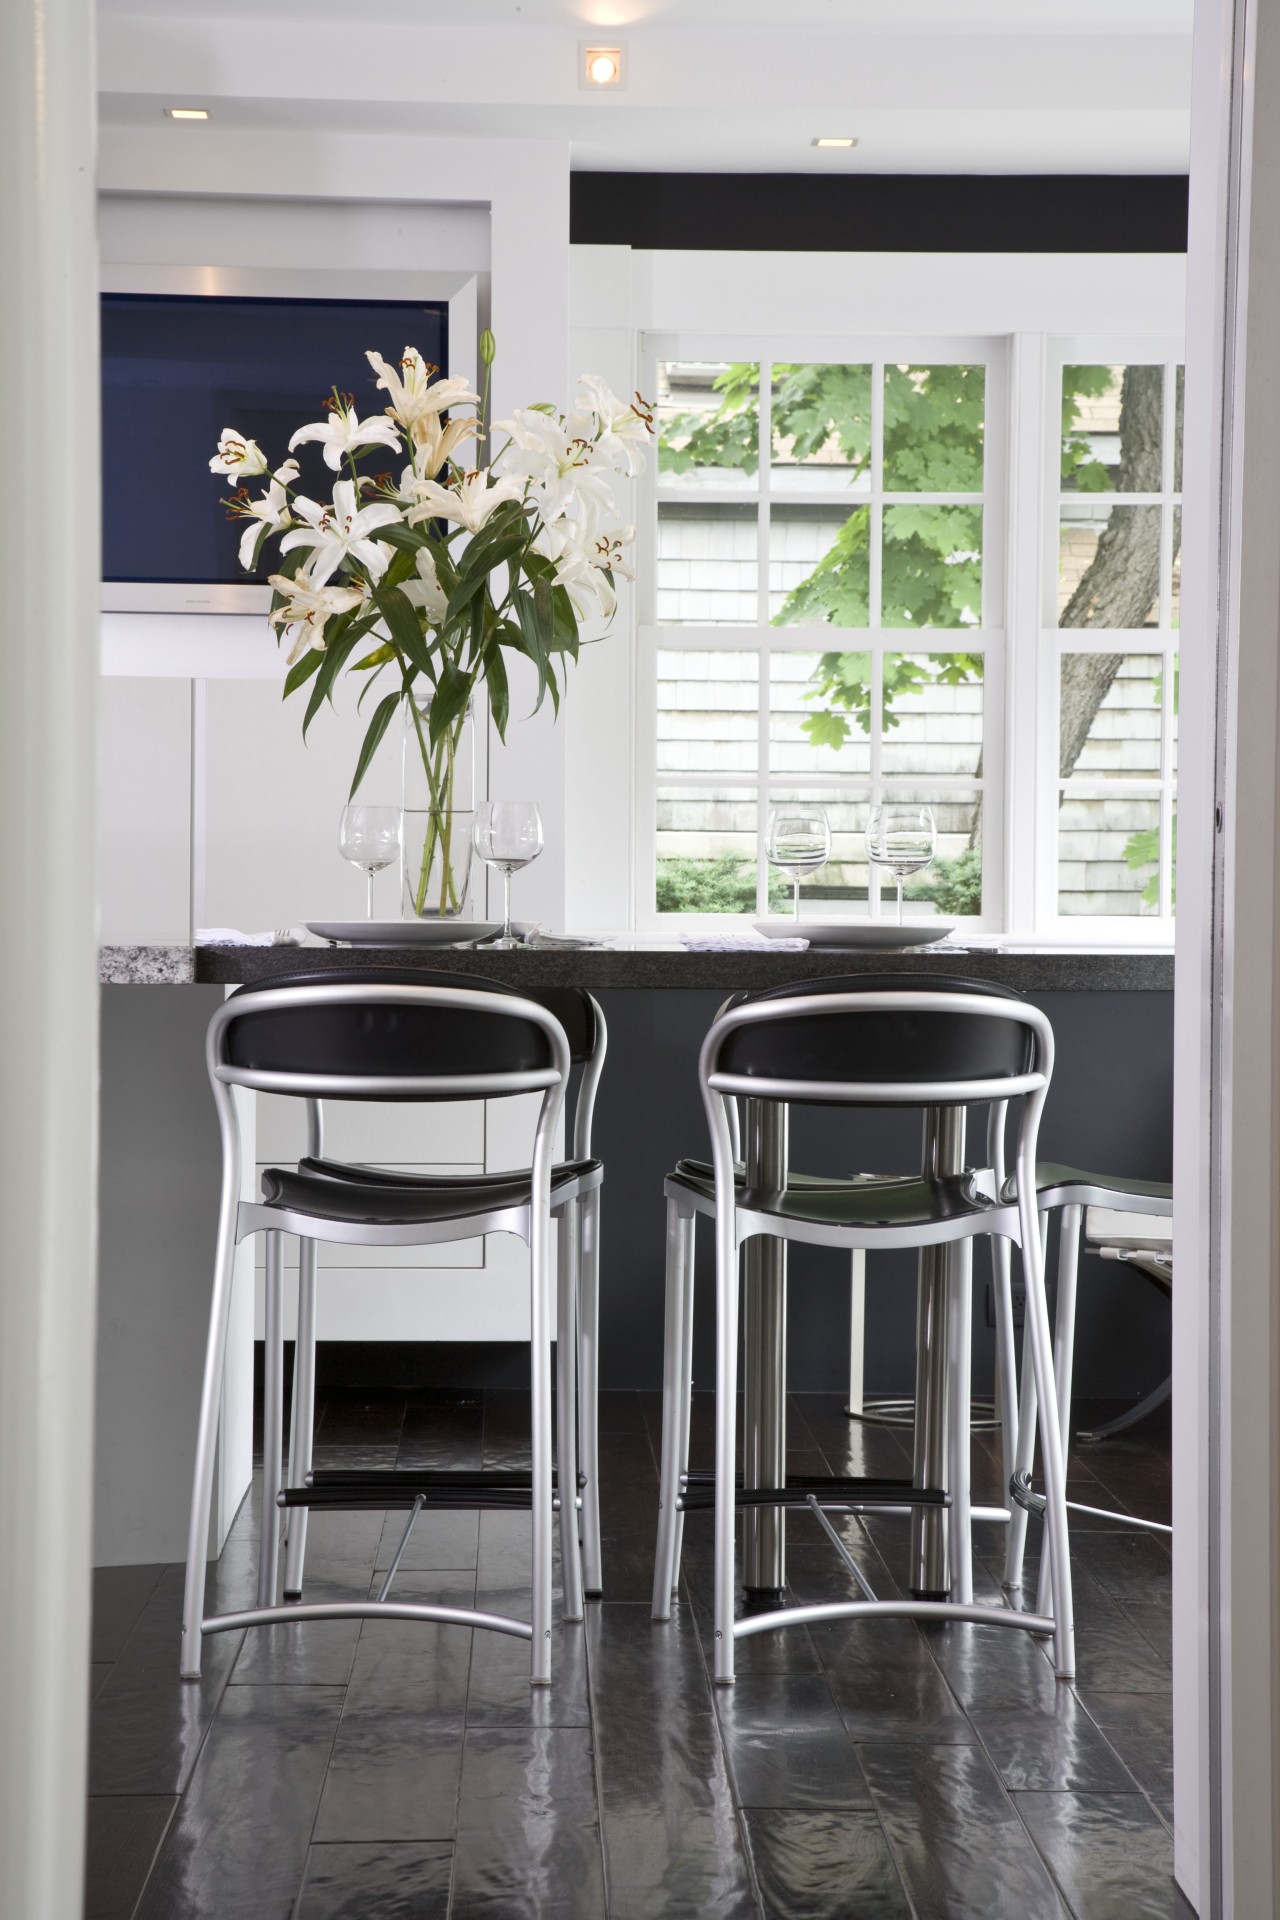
405	933
883	935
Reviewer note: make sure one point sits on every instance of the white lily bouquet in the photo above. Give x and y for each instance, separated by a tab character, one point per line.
444	569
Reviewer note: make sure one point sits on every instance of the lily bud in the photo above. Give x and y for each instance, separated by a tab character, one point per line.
488	348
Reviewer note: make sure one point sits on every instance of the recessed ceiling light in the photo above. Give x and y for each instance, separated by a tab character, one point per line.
187	113
603	67
835	140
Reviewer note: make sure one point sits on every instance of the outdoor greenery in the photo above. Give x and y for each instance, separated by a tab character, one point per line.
723	884
954	886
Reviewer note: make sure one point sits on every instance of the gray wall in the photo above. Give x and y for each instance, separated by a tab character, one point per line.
1110	1110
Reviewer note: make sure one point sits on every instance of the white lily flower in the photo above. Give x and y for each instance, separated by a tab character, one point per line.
620	430
433	444
271	511
413	397
555	461
343	432
470	502
579	570
426	592
341	532
308	608
238	458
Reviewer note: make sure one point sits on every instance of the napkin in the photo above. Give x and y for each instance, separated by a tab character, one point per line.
740	943
232	937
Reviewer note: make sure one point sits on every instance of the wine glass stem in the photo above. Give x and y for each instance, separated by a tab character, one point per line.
795	902
898	878
506	905
368	881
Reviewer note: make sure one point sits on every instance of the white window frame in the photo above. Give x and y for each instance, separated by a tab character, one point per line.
1052	642
989	637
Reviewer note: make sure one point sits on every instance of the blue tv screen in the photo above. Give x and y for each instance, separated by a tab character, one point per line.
177	369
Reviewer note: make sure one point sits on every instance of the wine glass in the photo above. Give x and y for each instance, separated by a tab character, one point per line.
903	839
798	842
507	834
369	837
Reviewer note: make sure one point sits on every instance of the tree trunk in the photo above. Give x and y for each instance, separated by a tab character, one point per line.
1122	581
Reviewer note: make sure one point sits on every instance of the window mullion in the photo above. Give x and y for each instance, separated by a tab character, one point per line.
764	404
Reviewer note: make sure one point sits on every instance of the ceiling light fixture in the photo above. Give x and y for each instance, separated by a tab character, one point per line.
187	113
603	67
835	140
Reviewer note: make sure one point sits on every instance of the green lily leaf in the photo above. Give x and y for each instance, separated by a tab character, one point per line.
453	690
408	539
403	626
372	681
375	659
495	674
301	671
338	650
377	727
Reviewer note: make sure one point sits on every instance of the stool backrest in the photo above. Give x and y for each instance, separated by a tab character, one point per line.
880	1040
388	1034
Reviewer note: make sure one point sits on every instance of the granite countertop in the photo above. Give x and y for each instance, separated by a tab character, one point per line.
645	965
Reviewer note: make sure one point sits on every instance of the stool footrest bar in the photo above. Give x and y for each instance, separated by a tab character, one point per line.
827	1489
394	1487
366	1610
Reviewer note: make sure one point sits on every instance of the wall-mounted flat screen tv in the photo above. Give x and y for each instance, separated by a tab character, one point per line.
176	370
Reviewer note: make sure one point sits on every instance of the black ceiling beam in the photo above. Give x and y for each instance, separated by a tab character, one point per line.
882	212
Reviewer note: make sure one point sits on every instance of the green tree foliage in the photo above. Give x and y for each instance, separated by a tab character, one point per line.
954	886
725	883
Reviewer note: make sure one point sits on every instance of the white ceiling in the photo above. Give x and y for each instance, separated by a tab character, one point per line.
1093	86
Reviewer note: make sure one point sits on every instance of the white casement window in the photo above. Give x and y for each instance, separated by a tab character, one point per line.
846	601
823	620
1110	608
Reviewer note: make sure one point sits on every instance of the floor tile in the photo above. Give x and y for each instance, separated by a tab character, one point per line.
1140	1728
1060	1749
528	1827
407	1664
824	1866
123	1835
119	1597
238	1842
393	1775
442	1541
886	1683
1111	1856
404	1881
955	1835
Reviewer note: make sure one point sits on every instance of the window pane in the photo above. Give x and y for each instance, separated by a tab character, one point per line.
1108	854
932	567
840	888
707	705
952	885
1177	430
821	421
1112	429
932	714
707	564
708	424
1175	584
933	429
820	712
819	566
706	846
1108	565
1109	724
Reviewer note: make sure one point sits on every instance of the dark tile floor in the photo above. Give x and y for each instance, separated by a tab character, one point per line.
384	1771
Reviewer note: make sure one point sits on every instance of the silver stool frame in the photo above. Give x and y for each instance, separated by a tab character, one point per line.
237	1219
1070	1198
736	1224
577	1334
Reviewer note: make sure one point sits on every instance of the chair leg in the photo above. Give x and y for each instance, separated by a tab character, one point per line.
688	1245
567	1408
1024	1454
272	1421
1006	1359
669	1485
540	1447
960	1364
1064	1344
207	1438
589	1389
726	1439
302	1436
1051	1453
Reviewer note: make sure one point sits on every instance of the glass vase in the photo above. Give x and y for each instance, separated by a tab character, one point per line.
439	809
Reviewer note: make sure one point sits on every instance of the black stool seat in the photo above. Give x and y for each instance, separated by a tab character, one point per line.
393	1201
588	1174
802	1182
1050	1174
868	1202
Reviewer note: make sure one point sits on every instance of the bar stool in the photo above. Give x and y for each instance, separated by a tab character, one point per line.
858	1043
1068	1191
578	1275
359	1039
